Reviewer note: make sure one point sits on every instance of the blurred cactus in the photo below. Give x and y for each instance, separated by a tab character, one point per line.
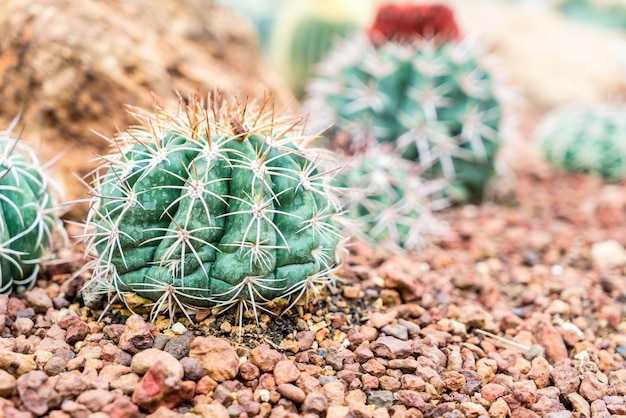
217	204
432	98
28	217
304	32
590	140
388	203
607	14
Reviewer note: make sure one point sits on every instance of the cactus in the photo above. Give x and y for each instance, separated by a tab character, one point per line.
388	203
215	204
431	98
305	31
586	139
28	217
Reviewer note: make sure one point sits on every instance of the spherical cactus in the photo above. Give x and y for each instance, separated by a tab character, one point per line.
28	217
388	203
432	99
590	140
215	204
305	31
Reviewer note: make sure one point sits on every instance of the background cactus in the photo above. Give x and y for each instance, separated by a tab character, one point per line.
388	203
431	98
590	140
215	204
28	217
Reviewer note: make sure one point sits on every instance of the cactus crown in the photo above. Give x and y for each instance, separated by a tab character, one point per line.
408	22
215	204
28	217
586	140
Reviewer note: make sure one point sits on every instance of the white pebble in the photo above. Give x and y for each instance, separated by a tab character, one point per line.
179	329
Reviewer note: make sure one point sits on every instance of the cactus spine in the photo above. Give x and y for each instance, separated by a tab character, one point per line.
28	217
216	204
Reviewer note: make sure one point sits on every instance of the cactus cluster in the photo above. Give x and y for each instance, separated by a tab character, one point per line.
28	216
431	98
215	204
586	139
388	203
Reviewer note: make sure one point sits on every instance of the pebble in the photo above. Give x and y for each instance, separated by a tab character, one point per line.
161	387
315	403
178	346
381	399
391	347
579	404
142	361
291	392
8	383
216	356
264	357
136	336
192	368
38	299
37	393
286	371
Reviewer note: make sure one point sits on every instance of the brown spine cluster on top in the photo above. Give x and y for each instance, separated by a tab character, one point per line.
407	22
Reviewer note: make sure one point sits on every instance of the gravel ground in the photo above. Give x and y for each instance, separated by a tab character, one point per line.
517	312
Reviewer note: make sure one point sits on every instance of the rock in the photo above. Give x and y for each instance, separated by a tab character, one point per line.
217	357
291	392
607	254
579	404
78	331
82	79
178	346
214	410
540	372
391	347
55	366
95	399
410	399
379	319
8	383
192	368
164	412
334	392
38	299
264	357
550	339
315	403
113	332
493	391
591	388
15	363
36	392
23	326
161	387
70	384
381	399
338	411
395	330
472	410
564	377
122	407
137	335
286	371
249	371
145	359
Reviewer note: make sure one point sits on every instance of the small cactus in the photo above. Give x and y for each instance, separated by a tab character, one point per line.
431	98
216	204
590	140
388	203
28	217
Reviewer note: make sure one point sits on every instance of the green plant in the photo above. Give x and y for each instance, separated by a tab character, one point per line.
216	204
586	139
431	98
388	203
28	217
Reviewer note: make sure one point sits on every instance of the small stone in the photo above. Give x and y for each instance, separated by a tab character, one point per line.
15	363
599	409
540	372
493	391
161	387
334	392
264	357
192	367
286	371
473	410
249	371
145	359
36	392
550	339
78	331
379	319
70	384
38	299
137	335
453	380
163	412
179	329
338	411
121	407
564	377
411	399
305	340
381	399
315	403
8	383
499	409
217	357
213	410
55	366
205	385
374	367
591	388
95	399
23	326
114	332
608	254
396	330
579	404
391	347
178	346
292	392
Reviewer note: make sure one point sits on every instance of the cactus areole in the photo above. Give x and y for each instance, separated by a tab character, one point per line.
214	204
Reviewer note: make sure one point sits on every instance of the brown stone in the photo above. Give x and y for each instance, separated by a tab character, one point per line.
217	357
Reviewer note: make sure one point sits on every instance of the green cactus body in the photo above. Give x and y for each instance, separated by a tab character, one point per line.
194	214
388	203
27	216
433	101
590	140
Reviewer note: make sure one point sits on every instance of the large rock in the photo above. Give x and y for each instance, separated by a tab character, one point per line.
69	67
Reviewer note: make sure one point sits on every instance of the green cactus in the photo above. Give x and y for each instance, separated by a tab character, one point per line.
28	217
212	206
432	100
388	203
590	140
